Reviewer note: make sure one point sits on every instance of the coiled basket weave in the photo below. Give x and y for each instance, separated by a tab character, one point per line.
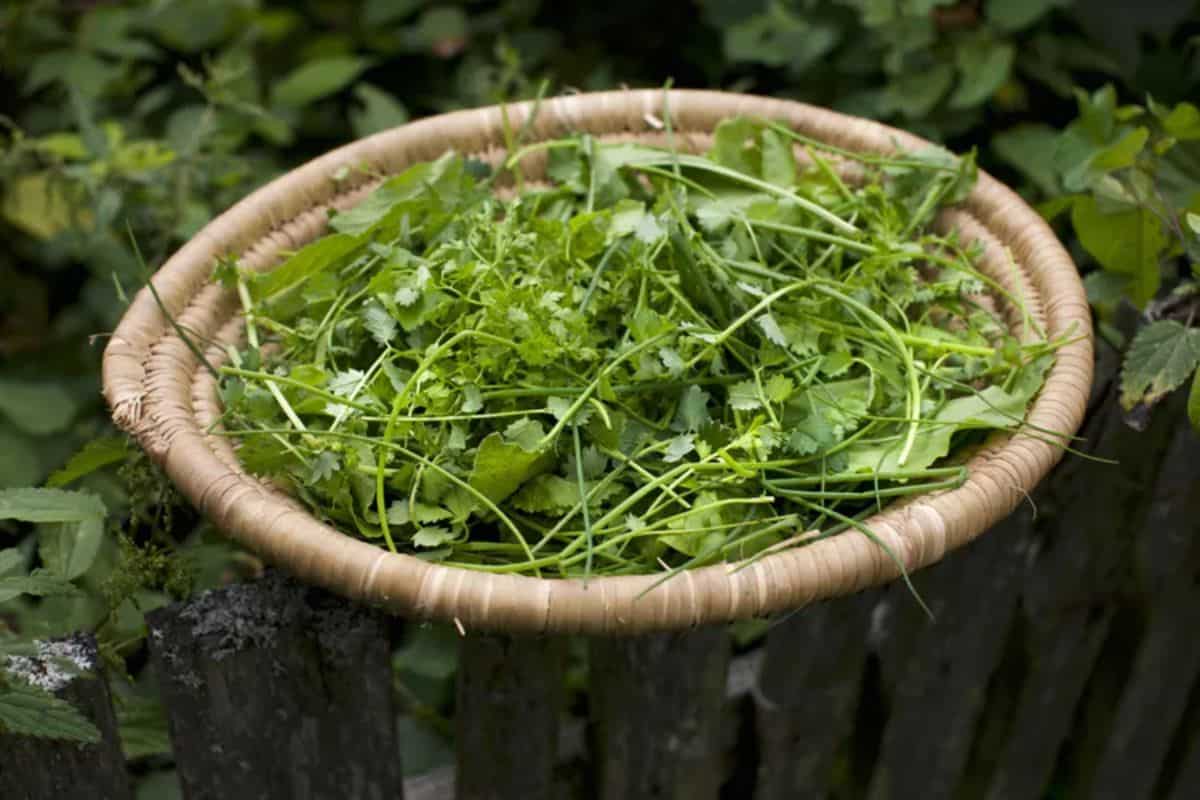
162	394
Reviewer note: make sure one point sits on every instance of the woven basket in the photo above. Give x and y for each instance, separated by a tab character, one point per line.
160	393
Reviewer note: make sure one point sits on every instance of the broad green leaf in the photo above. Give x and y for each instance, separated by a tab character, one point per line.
1030	148
70	548
317	79
916	93
983	68
38	583
315	257
1126	242
377	111
36	408
1161	357
49	505
547	494
500	468
991	408
96	454
26	711
1123	153
1183	122
142	725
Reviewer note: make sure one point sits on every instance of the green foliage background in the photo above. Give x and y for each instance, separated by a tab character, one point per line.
124	121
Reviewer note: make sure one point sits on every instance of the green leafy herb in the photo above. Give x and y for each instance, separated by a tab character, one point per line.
655	361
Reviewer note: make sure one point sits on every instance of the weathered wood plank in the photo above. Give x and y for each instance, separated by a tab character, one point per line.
808	690
274	689
1087	513
49	769
509	704
1168	661
657	704
942	690
1188	777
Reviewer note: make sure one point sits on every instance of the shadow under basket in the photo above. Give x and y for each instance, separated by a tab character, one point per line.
161	393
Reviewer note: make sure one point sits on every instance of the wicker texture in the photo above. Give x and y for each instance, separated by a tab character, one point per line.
160	393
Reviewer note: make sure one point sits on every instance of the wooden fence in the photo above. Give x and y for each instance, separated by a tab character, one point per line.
1062	663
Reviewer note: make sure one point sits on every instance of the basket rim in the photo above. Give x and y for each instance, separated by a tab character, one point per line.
150	380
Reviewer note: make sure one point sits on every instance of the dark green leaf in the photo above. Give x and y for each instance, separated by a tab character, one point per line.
26	711
1161	357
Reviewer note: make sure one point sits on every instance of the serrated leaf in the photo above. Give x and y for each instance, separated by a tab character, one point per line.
95	455
38	583
1161	357
679	447
379	323
432	536
472	399
692	411
547	493
779	388
744	396
771	330
26	711
50	505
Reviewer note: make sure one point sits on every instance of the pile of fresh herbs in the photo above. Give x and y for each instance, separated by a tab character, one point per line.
651	361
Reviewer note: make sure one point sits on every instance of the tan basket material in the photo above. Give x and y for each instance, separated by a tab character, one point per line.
160	393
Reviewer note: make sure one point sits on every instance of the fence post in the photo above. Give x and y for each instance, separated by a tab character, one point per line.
657	702
808	691
44	769
274	689
509	703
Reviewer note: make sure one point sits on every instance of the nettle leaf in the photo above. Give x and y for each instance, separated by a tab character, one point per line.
27	711
1129	243
1161	357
